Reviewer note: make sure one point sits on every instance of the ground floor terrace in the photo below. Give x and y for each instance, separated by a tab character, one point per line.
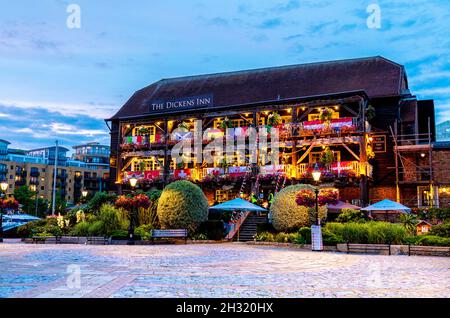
213	270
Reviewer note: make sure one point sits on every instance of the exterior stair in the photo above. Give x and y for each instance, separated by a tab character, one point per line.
248	229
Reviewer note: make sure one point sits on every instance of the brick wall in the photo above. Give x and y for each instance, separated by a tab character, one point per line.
380	193
441	166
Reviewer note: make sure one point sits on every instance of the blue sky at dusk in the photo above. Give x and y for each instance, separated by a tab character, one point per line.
60	83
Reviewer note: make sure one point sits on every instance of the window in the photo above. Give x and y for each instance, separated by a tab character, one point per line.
316	116
315	156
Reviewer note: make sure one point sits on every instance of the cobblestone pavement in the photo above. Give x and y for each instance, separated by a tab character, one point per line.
213	270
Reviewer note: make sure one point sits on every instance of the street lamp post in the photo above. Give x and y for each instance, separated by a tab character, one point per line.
316	231
84	194
3	187
133	182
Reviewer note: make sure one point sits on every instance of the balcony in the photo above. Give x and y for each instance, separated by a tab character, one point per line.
142	142
335	170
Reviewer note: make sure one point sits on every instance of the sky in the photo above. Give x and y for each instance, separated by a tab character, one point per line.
60	82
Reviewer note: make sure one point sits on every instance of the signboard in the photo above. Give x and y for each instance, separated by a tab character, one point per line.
379	143
316	238
181	104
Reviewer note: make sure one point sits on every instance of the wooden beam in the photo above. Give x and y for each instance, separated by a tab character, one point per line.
306	153
351	151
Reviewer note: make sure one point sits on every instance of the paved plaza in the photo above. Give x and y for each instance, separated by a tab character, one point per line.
213	270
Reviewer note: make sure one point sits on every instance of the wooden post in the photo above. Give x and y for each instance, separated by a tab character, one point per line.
166	149
294	146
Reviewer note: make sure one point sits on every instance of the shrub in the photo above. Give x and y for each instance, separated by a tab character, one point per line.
25	230
99	199
96	229
199	237
351	215
182	205
80	229
110	220
386	233
213	229
143	231
265	237
52	230
442	230
119	235
305	234
431	240
287	215
331	239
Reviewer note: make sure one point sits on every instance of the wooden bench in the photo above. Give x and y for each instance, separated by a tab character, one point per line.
368	248
178	233
421	250
69	240
97	240
46	239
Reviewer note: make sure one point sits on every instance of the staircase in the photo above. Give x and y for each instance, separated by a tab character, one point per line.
247	231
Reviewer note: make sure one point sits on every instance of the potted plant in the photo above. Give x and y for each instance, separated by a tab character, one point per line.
274	119
226	123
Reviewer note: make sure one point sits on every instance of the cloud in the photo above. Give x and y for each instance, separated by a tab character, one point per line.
270	23
31	128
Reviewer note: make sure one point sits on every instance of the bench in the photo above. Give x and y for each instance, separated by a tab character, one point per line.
69	240
46	239
368	248
420	250
97	240
178	233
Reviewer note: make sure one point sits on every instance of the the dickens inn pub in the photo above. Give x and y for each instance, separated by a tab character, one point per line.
355	120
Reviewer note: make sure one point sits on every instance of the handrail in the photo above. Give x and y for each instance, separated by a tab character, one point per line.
237	226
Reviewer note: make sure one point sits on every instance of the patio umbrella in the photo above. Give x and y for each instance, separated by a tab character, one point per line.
238	205
387	205
337	208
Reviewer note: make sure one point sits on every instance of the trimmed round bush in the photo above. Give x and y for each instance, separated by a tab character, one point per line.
182	205
287	215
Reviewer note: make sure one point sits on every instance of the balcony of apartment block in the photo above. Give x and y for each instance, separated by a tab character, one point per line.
34	181
89	177
34	173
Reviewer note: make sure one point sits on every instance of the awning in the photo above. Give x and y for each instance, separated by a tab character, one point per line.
387	205
337	208
238	205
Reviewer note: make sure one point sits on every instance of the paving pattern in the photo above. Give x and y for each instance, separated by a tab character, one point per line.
213	270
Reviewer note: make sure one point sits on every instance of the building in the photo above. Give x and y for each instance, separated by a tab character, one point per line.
35	169
353	118
443	131
93	154
423	227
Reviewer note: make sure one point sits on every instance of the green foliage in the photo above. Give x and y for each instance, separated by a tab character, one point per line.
47	225
109	218
80	229
199	237
432	240
265	237
370	112
143	231
213	229
119	235
351	215
330	238
286	237
99	199
442	230
386	233
410	222
370	232
287	215
439	214
29	202
182	205
60	204
96	228
305	233
25	230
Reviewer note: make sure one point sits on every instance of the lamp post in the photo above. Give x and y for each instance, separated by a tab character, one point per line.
84	194
3	187
316	230
133	182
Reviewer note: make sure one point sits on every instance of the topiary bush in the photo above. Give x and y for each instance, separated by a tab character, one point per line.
182	205
287	215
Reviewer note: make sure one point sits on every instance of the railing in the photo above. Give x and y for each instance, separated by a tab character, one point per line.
235	227
338	169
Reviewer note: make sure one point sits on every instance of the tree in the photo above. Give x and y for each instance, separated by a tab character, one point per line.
26	198
409	222
60	203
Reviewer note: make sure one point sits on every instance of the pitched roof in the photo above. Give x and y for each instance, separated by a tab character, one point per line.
377	76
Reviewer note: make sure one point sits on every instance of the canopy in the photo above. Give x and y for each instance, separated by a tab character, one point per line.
239	205
337	208
387	205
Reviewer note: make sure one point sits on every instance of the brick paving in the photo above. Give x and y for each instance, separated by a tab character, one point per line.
214	270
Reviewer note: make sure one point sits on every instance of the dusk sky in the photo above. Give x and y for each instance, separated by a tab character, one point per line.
61	83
